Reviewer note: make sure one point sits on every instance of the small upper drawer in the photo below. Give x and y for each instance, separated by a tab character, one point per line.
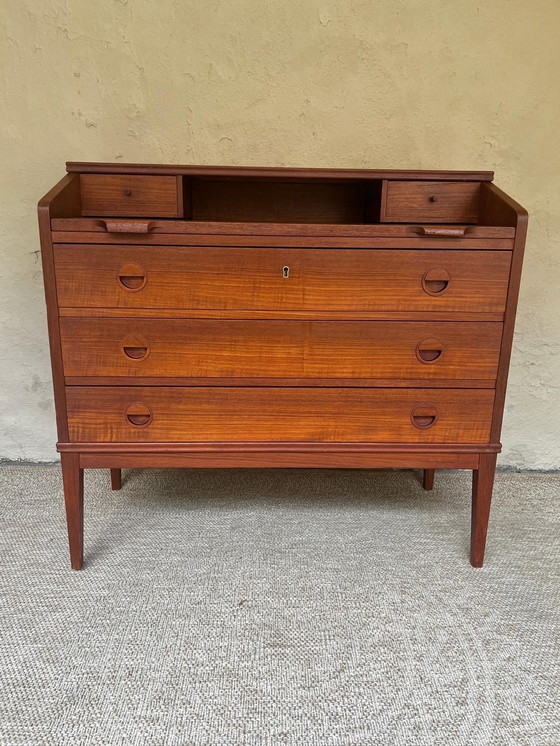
430	202
147	196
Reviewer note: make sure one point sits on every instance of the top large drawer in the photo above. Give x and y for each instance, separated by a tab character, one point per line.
165	277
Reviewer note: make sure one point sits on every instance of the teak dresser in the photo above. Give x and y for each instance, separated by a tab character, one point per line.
267	317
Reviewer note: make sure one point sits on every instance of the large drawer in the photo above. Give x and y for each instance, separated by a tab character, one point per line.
152	414
281	279
202	348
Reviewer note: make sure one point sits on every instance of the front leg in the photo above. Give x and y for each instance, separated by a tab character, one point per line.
73	481
428	481
483	481
116	479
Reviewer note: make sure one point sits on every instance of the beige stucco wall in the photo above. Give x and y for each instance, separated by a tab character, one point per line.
351	83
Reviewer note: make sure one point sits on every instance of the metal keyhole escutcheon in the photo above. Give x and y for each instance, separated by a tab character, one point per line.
285	272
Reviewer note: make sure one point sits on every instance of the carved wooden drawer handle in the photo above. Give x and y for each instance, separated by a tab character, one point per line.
139	415
135	347
429	350
127	226
131	277
424	416
455	232
436	281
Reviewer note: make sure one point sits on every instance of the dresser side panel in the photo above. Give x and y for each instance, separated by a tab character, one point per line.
496	206
63	200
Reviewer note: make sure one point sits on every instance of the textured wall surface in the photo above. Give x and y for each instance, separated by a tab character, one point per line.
388	84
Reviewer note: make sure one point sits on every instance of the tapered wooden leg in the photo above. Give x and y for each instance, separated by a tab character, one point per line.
116	479
483	481
428	482
73	480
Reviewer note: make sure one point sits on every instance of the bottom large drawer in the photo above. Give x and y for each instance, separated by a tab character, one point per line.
172	414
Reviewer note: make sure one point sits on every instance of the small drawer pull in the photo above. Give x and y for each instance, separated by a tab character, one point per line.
132	277
139	415
127	226
135	353
457	232
436	281
429	350
135	347
127	192
434	198
424	416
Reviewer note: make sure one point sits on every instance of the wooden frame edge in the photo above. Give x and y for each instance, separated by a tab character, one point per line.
514	214
62	198
279	459
275	172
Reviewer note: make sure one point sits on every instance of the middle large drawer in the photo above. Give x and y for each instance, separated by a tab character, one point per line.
239	348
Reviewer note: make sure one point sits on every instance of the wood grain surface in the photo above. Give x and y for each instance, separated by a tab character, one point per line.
268	172
275	349
194	227
247	459
252	279
278	414
126	195
271	240
430	201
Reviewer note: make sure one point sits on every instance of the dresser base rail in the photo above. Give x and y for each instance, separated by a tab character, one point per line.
262	446
78	456
278	459
282	455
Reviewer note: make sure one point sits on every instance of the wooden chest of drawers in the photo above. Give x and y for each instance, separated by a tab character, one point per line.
255	317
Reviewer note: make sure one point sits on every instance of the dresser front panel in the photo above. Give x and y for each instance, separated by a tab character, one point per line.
236	414
129	347
281	279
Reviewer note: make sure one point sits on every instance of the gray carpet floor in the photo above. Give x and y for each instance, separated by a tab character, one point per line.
237	608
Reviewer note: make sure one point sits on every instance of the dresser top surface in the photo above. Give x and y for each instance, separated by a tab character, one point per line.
264	172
